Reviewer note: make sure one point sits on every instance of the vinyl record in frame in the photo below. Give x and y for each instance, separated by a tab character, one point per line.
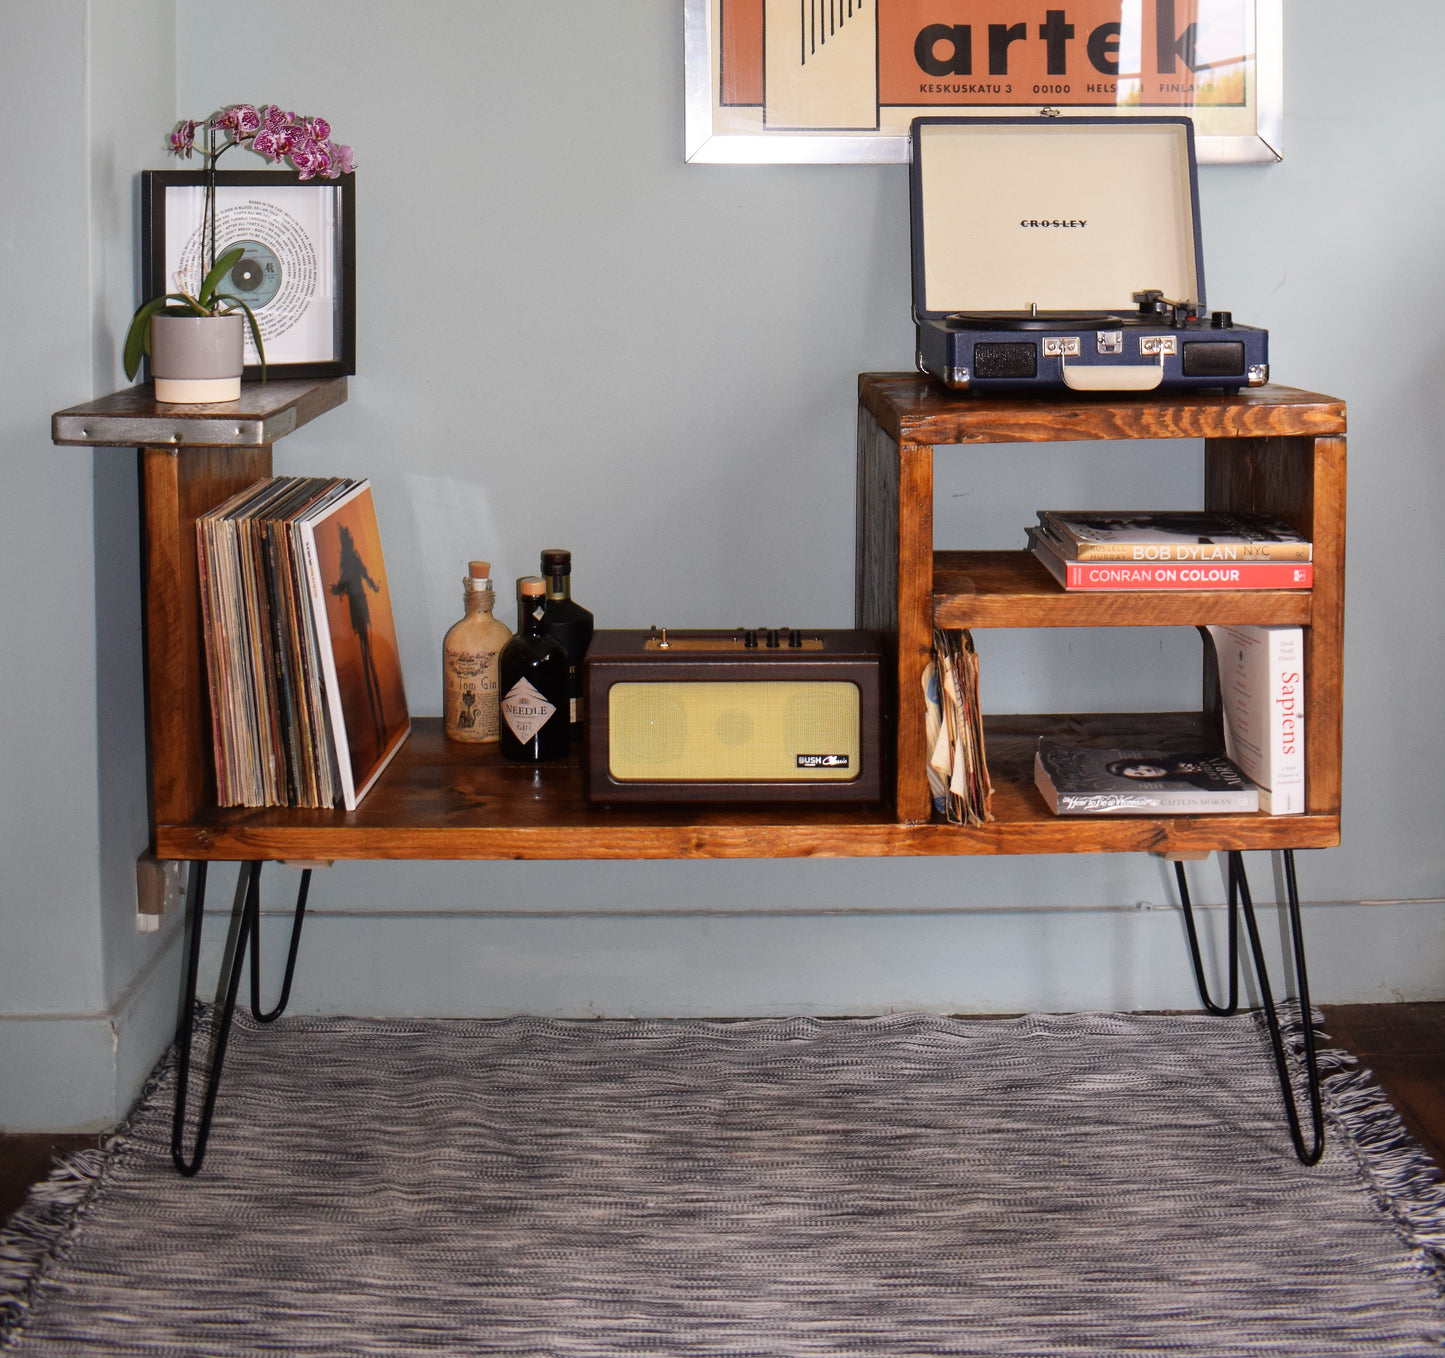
298	272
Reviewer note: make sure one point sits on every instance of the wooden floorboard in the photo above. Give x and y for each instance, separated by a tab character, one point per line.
1402	1044
27	1158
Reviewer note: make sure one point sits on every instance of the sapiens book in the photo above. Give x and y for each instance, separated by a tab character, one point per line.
1261	702
1171	535
1085	780
356	635
1153	575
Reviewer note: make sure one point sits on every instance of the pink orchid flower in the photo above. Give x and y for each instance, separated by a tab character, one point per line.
183	139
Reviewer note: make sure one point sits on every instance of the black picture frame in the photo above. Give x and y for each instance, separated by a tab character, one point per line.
313	269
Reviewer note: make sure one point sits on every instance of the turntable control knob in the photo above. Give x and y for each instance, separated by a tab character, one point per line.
773	642
750	638
1222	320
795	637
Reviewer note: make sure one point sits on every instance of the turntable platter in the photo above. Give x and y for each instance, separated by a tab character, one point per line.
1035	320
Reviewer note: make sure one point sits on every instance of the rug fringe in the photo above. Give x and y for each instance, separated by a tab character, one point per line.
1399	1173
42	1229
34	1234
1402	1174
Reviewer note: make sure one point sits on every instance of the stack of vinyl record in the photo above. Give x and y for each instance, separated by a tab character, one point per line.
269	723
957	763
307	700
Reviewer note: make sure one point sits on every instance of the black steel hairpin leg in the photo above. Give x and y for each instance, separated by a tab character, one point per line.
1232	1004
249	937
197	899
296	923
1308	1155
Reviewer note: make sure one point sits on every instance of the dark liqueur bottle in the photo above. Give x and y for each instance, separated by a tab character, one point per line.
571	624
532	683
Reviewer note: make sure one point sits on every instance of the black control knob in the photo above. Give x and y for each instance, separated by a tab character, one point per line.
773	641
750	638
795	637
1222	320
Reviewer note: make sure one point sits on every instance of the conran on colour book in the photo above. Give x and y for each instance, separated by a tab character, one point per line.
1142	575
1081	780
1171	535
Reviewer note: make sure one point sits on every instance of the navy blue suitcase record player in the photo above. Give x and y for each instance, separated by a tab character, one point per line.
1065	252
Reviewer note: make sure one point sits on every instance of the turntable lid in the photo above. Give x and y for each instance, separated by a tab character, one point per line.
1073	214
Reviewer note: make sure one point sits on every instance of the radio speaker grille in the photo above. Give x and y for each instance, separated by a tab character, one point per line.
763	731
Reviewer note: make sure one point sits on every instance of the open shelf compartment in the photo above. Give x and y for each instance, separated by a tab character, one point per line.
1274	449
1271	450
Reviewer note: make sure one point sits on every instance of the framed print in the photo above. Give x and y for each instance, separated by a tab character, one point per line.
831	81
298	273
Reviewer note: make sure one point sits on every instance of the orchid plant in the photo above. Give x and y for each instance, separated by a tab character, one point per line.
281	138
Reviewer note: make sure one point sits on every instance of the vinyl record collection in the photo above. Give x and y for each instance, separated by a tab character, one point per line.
268	714
957	765
283	720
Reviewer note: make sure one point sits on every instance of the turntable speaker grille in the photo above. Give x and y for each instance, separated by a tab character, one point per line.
1002	358
771	731
1213	358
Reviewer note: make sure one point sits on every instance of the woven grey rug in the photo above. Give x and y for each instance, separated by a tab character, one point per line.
910	1185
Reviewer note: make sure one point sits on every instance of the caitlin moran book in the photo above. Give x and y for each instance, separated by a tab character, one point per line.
1082	780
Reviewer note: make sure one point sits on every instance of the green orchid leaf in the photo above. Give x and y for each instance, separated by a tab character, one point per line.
219	270
138	337
251	321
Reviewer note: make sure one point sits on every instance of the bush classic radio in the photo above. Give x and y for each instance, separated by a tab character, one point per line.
766	714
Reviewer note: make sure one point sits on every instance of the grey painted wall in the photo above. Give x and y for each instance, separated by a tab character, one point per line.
85	1000
567	335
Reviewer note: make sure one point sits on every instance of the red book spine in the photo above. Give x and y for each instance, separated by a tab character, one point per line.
1189	575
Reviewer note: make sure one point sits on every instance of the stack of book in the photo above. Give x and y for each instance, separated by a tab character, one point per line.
957	764
306	694
1170	549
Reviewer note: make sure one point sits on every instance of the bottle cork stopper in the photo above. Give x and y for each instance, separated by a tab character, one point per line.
480	570
530	585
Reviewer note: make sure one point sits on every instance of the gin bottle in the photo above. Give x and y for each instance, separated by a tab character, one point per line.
533	673
469	661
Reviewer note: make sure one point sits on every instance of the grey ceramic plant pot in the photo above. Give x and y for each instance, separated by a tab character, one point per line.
197	359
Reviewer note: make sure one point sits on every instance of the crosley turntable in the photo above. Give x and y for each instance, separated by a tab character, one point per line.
1065	252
